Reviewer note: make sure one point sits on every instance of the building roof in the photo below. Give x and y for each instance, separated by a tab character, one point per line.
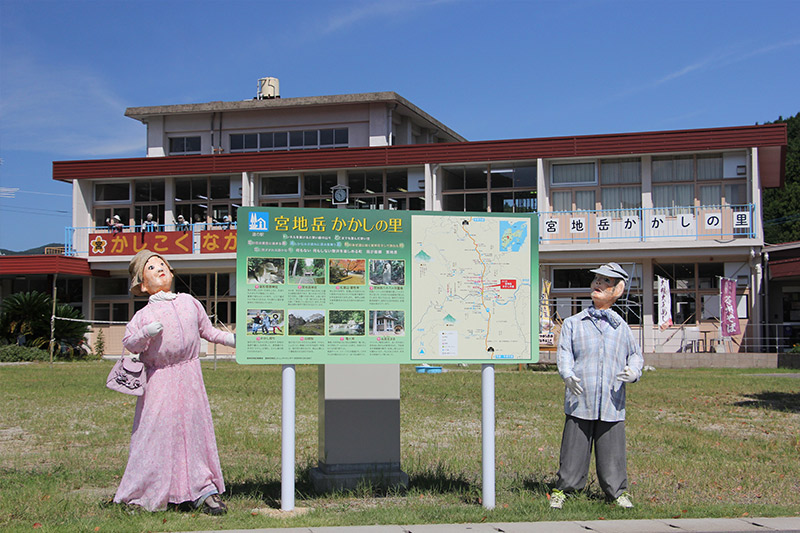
404	107
11	265
771	139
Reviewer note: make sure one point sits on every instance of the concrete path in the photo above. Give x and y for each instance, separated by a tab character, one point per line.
704	525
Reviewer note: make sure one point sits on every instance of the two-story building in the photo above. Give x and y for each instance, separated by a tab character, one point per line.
681	205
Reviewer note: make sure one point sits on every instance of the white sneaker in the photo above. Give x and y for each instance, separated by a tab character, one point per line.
624	501
557	498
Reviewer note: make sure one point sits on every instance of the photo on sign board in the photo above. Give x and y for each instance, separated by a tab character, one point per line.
266	270
385	323
346	322
387	272
265	321
306	271
347	271
306	322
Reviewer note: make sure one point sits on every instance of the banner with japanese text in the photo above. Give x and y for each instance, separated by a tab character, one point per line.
664	304
325	286
729	316
163	242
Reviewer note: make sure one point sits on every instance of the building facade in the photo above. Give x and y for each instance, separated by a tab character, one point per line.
681	205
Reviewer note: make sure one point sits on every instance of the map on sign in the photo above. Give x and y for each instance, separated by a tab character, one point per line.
471	288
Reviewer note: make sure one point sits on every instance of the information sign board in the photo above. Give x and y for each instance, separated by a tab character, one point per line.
327	286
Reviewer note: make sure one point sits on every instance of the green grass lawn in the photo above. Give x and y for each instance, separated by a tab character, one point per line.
701	443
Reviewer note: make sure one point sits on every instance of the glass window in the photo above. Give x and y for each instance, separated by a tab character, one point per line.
572	173
111	192
397	180
585	200
680	275
325	137
111	287
281	139
341	137
475	202
617	171
295	139
310	138
149	191
279	185
357	181
220	188
711	195
673	168
709	167
453	202
621	197
708	275
265	141
502	177
572	278
374	181
237	142
562	201
184	145
673	195
736	194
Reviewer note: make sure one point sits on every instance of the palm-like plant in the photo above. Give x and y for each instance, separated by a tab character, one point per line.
28	314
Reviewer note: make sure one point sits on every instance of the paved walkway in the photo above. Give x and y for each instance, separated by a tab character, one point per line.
703	525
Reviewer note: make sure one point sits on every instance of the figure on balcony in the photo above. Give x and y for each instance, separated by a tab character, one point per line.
597	355
181	224
115	224
149	224
173	452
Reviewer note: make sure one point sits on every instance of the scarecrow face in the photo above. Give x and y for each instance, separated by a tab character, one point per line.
156	276
605	291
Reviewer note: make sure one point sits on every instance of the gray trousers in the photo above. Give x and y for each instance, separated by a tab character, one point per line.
608	439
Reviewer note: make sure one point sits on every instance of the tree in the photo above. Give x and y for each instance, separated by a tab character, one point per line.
782	206
28	314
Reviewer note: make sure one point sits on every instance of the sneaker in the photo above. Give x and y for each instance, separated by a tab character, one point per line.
557	498
214	505
624	501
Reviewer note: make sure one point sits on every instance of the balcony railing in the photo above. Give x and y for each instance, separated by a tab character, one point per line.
707	222
167	238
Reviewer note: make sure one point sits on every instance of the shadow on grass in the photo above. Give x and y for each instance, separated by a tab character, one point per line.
436	481
788	402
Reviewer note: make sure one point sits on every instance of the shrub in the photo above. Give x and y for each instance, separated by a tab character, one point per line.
14	354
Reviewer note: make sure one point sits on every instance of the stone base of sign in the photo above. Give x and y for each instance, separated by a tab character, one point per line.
329	478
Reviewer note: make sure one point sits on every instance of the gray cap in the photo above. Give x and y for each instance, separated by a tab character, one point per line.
611	270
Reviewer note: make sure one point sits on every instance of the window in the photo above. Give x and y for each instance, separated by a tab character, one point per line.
622	198
673	168
149	191
293	140
319	184
195	198
280	185
709	167
673	196
619	171
184	145
573	174
112	192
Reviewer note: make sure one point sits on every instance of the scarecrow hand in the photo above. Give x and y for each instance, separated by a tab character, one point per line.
153	328
229	340
627	375
573	384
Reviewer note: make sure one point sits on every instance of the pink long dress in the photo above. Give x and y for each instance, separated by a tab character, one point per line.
173	453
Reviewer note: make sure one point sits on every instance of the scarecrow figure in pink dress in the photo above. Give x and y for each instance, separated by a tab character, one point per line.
173	453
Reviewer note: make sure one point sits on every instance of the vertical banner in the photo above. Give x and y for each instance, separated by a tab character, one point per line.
664	304
323	286
729	317
546	335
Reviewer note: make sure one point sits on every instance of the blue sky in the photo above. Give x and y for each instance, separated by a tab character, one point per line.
489	69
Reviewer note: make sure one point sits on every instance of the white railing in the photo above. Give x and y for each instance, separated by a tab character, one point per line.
706	222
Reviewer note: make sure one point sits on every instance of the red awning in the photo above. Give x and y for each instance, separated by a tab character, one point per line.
48	264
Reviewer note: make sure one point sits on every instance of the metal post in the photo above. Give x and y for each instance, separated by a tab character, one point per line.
287	438
216	316
53	320
487	433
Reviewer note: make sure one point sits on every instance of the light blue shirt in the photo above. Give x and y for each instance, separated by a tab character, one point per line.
596	350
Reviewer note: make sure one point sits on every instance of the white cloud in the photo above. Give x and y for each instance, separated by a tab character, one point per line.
63	109
372	9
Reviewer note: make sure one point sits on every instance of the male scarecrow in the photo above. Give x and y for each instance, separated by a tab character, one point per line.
597	355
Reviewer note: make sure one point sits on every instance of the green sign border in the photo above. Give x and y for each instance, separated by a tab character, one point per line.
298	268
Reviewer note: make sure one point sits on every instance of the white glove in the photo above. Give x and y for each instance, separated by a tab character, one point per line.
229	340
573	384
627	375
153	328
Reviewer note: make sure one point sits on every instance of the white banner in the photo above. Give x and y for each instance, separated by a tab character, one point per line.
664	304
